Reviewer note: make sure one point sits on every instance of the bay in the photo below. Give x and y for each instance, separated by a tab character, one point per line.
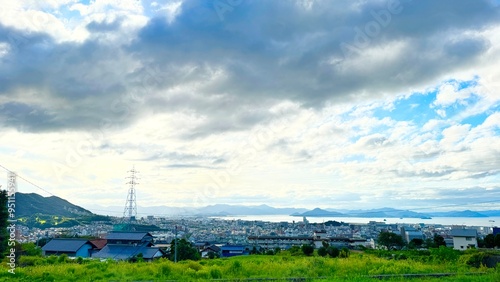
467	221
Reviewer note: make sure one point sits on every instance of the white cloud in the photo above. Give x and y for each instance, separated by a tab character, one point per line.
266	109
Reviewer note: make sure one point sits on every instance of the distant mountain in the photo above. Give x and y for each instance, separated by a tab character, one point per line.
388	212
466	213
382	212
490	213
245	210
320	212
29	204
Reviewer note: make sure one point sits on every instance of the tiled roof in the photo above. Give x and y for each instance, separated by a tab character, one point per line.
464	232
212	248
123	252
99	243
127	235
65	245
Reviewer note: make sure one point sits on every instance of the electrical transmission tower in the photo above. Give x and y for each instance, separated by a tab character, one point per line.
131	204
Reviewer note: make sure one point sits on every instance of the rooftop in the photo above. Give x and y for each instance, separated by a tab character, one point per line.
464	232
65	245
114	235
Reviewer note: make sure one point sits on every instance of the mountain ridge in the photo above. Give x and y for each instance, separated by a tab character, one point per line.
28	204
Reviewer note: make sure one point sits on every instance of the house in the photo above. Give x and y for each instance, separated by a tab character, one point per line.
126	252
233	250
271	242
210	249
464	238
99	244
127	245
129	238
69	246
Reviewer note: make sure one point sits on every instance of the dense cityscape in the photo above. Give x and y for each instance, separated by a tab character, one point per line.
206	230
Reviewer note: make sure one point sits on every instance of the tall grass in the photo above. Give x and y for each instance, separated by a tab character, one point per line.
356	268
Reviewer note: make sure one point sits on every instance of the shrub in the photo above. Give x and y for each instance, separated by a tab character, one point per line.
475	259
30	261
322	251
444	254
294	250
215	273
235	267
344	253
63	258
333	252
165	270
307	249
194	265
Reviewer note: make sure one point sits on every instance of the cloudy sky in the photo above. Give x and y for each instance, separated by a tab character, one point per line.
291	103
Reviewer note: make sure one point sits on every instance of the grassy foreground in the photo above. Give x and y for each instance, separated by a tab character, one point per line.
358	267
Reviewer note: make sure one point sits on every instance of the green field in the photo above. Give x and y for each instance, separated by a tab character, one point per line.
358	267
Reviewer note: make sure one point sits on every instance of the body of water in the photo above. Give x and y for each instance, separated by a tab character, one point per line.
468	221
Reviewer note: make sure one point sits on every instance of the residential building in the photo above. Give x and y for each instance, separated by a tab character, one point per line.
127	245
210	249
71	247
464	238
233	250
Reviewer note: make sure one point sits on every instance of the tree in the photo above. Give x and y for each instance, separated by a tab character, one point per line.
497	240
390	240
489	241
41	242
212	255
185	251
4	216
307	249
30	249
277	250
438	241
333	252
322	251
415	243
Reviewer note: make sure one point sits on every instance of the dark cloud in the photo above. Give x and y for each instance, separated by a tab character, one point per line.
104	26
232	71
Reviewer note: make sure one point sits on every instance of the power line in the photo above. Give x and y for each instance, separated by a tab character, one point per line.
366	212
19	176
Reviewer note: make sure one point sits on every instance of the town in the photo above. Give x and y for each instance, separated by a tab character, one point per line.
236	237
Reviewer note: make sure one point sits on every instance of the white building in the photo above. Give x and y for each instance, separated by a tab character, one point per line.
464	239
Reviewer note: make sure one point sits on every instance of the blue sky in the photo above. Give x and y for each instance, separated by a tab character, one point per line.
302	103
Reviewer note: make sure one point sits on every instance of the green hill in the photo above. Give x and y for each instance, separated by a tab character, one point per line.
31	204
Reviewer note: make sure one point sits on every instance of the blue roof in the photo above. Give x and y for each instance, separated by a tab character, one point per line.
464	232
232	248
123	252
127	235
65	245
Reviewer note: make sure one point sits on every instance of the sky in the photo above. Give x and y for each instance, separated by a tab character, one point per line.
289	103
